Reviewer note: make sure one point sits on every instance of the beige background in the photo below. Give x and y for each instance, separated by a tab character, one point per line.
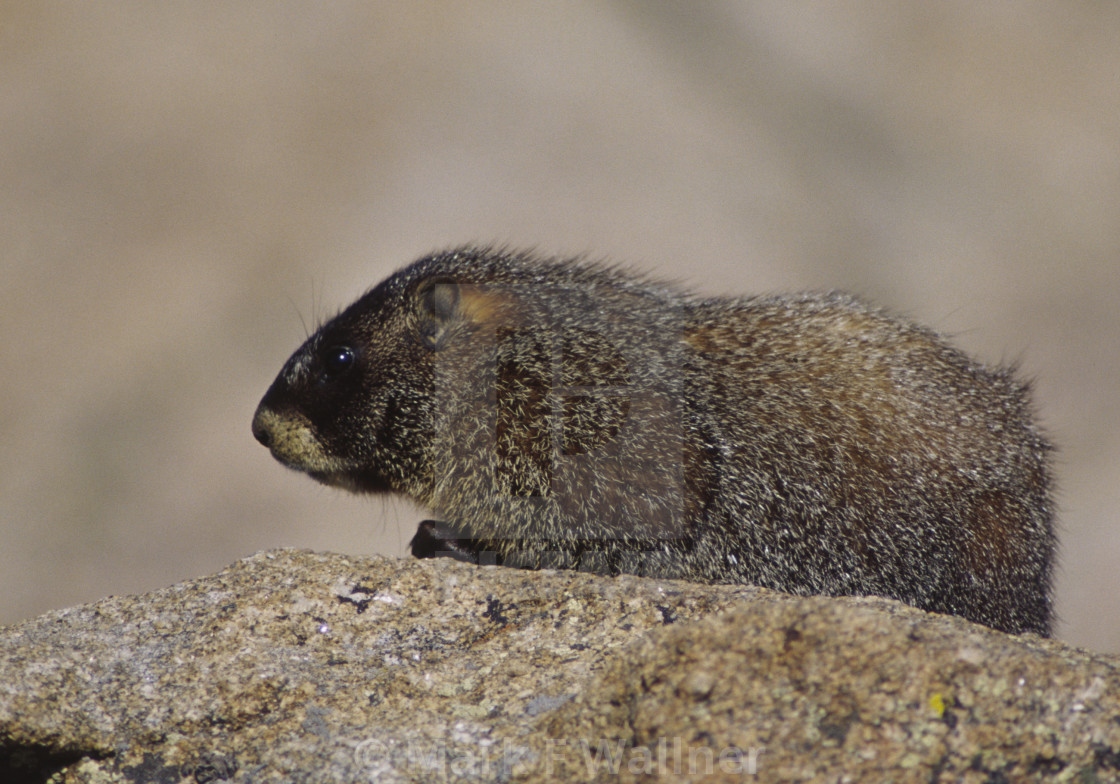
181	183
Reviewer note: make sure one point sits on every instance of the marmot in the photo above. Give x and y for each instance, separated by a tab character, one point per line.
560	413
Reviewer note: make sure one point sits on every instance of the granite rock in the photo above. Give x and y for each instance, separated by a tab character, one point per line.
312	667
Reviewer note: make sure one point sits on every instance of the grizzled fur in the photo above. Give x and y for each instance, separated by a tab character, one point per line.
565	414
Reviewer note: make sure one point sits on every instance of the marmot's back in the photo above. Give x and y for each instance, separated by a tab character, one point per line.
879	460
564	414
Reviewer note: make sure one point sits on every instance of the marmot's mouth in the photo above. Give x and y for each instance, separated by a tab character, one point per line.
354	481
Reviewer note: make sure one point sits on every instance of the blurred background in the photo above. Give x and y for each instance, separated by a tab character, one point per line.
187	188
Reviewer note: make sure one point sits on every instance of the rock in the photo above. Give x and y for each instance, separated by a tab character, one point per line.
310	667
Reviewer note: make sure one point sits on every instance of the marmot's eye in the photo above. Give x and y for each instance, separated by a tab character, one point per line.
337	360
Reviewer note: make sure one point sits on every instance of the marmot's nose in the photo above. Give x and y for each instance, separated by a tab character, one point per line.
261	431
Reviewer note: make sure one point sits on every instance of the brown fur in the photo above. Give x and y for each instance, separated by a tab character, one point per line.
566	414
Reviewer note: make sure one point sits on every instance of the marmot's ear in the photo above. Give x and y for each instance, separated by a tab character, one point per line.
443	305
438	310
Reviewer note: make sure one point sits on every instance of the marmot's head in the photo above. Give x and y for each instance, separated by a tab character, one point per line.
354	406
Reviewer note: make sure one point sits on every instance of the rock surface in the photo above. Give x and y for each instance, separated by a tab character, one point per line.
310	667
